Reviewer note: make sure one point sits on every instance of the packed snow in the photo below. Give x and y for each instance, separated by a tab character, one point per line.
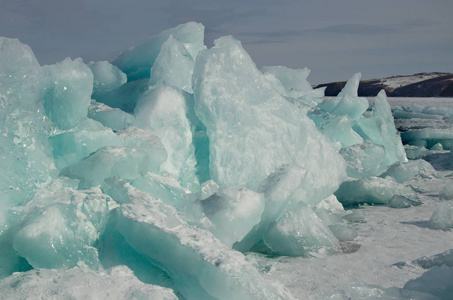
179	171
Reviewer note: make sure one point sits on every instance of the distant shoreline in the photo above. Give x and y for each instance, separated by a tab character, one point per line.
418	85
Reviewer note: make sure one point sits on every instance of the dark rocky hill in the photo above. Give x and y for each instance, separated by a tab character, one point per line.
417	85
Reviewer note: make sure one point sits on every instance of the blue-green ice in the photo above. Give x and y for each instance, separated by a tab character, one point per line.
167	166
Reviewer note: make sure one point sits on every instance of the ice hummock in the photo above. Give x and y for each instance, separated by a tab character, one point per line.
254	131
174	159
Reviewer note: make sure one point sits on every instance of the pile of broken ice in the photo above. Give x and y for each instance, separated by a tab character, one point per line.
175	160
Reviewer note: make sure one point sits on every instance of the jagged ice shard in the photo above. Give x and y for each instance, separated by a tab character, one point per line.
253	130
174	159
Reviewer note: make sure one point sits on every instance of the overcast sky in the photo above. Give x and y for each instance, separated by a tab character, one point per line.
333	38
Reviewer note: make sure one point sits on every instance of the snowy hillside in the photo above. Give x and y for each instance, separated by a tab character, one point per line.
417	85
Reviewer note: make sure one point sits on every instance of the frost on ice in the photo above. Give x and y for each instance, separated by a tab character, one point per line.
176	160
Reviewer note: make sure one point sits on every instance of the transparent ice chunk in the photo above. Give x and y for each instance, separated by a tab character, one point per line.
405	171
364	160
72	145
25	155
293	84
252	130
114	118
372	190
67	92
174	65
353	107
298	232
380	129
233	213
146	143
137	61
124	97
60	226
106	77
124	162
162	111
351	87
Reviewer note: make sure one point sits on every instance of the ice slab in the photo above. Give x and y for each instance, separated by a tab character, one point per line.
343	232
233	213
372	190
162	111
25	154
106	77
300	231
172	193
352	86
405	171
137	61
330	204
283	188
174	65
365	131
124	162
353	107
415	152
114	118
432	136
416	109
364	160
60	226
146	143
81	283
72	145
199	264
339	129
280	189
252	130
67	90
115	251
437	147
379	128
124	97
292	84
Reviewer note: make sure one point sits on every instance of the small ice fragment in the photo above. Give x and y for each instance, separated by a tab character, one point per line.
442	217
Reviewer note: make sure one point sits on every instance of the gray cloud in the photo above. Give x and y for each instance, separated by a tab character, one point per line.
321	35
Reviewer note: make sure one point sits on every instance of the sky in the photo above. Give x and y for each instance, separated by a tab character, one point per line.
333	38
